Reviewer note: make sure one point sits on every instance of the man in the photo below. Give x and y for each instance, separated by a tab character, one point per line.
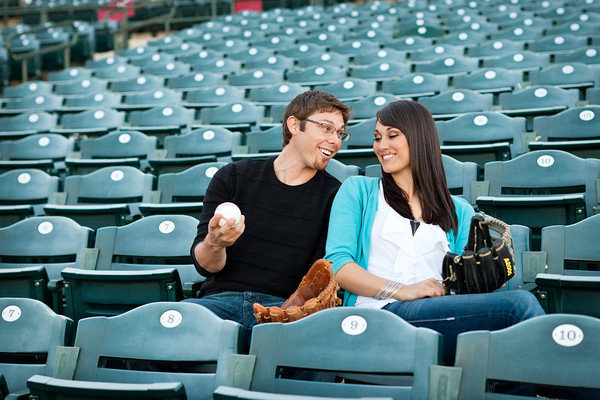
285	203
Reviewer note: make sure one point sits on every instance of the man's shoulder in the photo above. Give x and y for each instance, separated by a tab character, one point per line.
246	167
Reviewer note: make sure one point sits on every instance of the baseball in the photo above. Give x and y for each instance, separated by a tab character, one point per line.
228	211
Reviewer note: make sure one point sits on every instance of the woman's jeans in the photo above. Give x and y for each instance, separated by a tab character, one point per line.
451	315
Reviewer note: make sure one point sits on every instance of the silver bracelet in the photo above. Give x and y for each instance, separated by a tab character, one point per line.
388	290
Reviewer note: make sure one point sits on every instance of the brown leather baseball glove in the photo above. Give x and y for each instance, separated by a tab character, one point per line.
316	292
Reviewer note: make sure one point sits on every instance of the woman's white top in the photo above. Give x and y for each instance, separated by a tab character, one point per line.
400	256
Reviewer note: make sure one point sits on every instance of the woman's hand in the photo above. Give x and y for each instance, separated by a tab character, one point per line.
428	288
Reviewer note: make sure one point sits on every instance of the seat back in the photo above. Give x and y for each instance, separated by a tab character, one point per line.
30	332
189	185
36	147
158	241
159	342
119	144
27	186
368	345
53	242
530	352
212	140
108	185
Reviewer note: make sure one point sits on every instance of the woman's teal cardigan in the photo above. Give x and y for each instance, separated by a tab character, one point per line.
351	220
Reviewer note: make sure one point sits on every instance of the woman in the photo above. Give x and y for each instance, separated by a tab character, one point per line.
387	237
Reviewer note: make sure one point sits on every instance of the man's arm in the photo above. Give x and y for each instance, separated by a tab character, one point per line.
210	253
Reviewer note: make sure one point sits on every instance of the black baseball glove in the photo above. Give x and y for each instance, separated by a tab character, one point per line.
484	265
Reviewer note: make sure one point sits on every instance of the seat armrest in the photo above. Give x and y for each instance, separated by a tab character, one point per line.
190	289
55	287
22	395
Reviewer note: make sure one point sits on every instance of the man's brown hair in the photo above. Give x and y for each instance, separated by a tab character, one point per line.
307	103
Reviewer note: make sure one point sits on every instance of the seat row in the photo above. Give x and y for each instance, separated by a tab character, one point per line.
183	351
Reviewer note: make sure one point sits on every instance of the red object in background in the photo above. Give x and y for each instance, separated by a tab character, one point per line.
116	16
251	5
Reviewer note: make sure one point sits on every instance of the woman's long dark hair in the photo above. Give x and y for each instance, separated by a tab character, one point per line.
426	166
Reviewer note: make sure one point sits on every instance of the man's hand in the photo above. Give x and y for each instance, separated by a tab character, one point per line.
427	288
220	237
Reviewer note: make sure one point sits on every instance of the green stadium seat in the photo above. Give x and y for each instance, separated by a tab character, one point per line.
354	47
411	43
182	192
202	145
152	60
340	170
274	62
252	54
239	115
529	353
574	130
593	95
349	89
92	100
107	62
161	121
282	350
258	78
28	89
160	343
184	49
367	107
569	274
214	96
573	75
559	43
231	393
448	66
115	148
416	85
195	81
280	94
317	75
380	55
541	188
482	137
435	52
106	197
495	48
42	151
358	149
91	122
48	102
81	86
168	70
118	73
536	100
26	124
139	84
23	193
586	55
489	80
468	37
150	99
52	242
455	102
223	66
519	61
26	282
30	333
380	71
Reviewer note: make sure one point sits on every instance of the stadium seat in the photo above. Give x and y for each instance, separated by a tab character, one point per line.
152	60
26	282
106	197
40	88
284	350
160	343
115	148
139	84
22	193
202	145
435	52
416	85
92	100
168	70
316	75
150	99
410	43
354	47
26	124
520	61
593	95
258	78
543	343
489	80
41	151
302	50
495	49
329	59
273	62
91	122
455	102
239	115
136	52
559	43
559	186
253	53
81	87
69	74
231	393
358	150
584	55
48	102
196	80
465	38
30	333
161	121
537	100
223	66
341	171
103	63
572	75
280	94
214	96
448	66
569	269
202	57
349	89
118	73
482	137
52	242
574	130
368	107
527	34
379	55
380	71
182	193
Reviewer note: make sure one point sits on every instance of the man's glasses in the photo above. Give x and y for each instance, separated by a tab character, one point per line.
329	129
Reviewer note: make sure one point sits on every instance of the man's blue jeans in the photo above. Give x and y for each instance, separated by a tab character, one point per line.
451	315
237	306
